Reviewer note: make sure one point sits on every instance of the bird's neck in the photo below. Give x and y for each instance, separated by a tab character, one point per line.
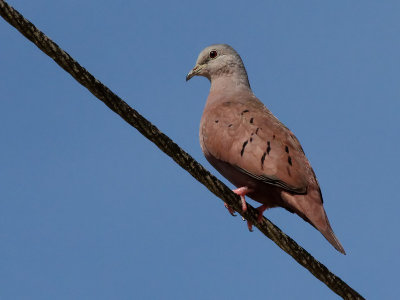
229	88
230	83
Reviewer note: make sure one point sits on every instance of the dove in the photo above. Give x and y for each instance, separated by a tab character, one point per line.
251	148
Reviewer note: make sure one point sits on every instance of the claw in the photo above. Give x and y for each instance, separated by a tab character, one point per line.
261	210
230	209
242	191
250	226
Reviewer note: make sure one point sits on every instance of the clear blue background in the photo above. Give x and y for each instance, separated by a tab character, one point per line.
89	209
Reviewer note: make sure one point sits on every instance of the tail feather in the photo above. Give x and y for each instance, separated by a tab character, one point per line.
322	225
328	233
310	208
331	237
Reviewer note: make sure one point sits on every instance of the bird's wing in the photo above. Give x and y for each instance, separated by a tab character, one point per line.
248	136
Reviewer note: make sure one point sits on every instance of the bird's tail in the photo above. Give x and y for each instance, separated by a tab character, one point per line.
322	225
331	237
325	228
312	211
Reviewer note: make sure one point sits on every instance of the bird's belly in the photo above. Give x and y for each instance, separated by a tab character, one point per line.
261	192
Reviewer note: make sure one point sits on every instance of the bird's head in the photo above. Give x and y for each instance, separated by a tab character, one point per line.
217	60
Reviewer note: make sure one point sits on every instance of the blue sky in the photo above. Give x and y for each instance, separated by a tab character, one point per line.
89	209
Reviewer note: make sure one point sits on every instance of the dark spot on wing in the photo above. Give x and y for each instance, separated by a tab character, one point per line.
251	139
269	147
287	149
244	146
230	125
262	160
251	120
273	136
216	121
245	111
289	160
257	130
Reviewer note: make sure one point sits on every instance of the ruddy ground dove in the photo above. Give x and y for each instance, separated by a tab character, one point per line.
250	147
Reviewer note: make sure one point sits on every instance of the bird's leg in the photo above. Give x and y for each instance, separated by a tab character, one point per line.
242	191
261	210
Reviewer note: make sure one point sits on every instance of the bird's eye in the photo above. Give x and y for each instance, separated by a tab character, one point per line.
213	54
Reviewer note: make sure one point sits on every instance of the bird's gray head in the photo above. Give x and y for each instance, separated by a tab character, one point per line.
220	60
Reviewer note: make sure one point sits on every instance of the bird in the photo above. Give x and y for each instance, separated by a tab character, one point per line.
251	148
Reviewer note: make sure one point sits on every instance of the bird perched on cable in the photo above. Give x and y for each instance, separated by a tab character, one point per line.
249	146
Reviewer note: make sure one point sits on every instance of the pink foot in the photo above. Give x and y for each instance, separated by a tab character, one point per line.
261	210
242	191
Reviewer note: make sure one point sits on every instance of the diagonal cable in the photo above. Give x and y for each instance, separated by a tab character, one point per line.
151	132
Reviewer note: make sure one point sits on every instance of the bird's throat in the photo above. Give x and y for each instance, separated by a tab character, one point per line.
229	83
